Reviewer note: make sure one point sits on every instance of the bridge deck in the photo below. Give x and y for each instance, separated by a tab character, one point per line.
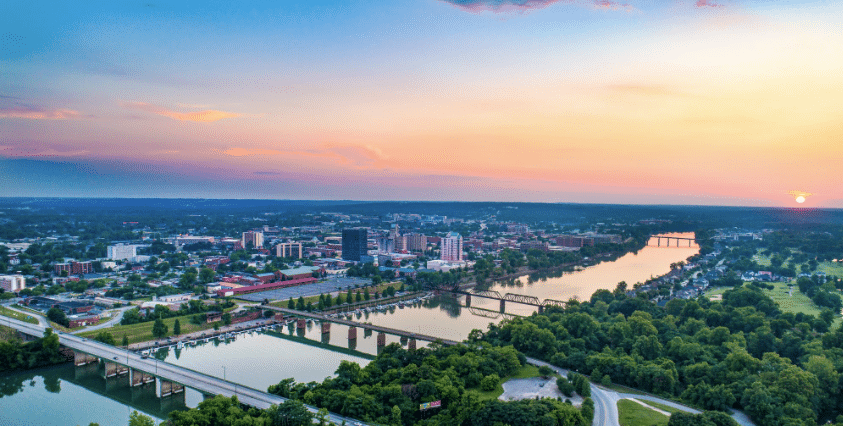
193	379
377	328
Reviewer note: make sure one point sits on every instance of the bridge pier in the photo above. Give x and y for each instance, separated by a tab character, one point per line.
411	345
25	337
367	332
80	358
112	369
659	242
468	300
541	309
166	388
138	378
352	333
326	327
381	339
503	305
301	323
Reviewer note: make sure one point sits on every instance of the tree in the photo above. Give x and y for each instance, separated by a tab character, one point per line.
300	304
58	316
290	413
125	341
138	419
291	304
226	318
105	337
366	295
159	329
177	327
490	382
545	371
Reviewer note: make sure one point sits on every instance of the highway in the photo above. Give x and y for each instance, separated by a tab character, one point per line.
193	379
377	328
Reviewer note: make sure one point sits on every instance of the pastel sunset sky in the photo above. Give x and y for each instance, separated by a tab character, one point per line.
727	102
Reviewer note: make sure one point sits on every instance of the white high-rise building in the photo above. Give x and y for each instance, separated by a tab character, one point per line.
253	237
451	247
12	283
122	252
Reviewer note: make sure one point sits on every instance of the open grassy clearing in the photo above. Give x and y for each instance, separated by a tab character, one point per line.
795	303
17	315
142	332
631	413
524	372
831	268
661	406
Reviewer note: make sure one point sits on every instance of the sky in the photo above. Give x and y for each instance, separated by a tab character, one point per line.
710	102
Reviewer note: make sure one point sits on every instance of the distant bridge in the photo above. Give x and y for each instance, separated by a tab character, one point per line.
667	240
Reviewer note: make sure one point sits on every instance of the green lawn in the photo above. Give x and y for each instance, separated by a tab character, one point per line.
17	315
631	413
780	294
831	268
524	372
661	406
142	332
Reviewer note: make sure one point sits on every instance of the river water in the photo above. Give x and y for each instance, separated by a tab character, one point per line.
260	359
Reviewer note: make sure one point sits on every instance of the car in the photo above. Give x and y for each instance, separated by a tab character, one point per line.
115	358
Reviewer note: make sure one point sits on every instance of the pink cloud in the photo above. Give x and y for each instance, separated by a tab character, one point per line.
523	6
38	113
206	116
708	3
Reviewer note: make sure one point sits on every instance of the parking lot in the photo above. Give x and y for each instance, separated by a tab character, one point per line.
327	286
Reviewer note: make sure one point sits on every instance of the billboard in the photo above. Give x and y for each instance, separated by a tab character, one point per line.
428	405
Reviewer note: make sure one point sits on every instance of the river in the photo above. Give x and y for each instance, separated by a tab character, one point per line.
258	360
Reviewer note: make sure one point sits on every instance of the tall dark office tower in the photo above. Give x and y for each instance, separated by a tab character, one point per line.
354	244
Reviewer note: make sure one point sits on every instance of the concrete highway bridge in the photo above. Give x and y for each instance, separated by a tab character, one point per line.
169	379
354	325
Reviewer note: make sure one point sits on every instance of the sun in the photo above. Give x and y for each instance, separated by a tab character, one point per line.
799	196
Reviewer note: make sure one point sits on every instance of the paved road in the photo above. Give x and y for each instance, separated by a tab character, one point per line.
41	320
110	323
606	401
193	379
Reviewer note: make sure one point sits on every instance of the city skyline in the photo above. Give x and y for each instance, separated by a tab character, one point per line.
592	101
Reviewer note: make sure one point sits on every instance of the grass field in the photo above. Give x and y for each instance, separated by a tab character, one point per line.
524	372
631	413
142	332
660	406
831	268
17	315
780	294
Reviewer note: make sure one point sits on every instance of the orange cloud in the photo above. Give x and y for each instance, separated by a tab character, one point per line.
38	114
355	155
207	116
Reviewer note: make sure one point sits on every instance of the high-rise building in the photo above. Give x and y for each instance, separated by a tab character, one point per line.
122	252
354	244
416	242
451	247
385	244
289	250
12	283
252	239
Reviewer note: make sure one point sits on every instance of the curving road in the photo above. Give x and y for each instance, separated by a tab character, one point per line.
606	401
110	323
41	320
